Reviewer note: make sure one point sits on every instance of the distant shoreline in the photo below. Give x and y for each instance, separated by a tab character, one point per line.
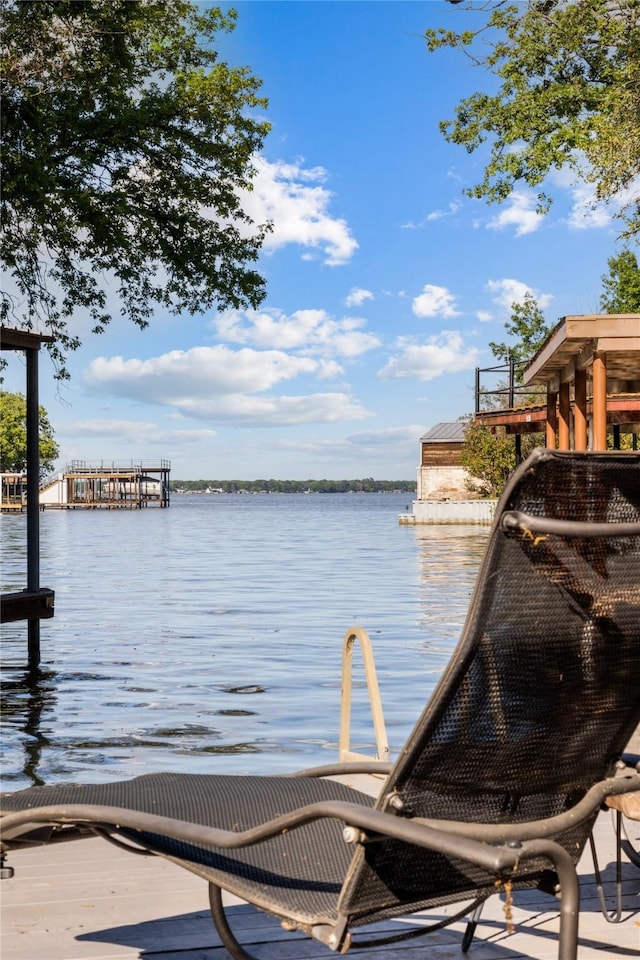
214	487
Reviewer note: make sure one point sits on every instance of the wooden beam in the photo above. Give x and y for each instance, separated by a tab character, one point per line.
604	344
585	358
568	372
13	339
27	605
615	325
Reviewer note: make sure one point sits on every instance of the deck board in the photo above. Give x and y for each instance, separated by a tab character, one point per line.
87	900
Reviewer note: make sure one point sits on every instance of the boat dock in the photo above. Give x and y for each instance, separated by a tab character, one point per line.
100	485
88	900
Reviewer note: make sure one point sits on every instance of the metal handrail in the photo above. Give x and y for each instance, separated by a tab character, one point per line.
517	520
382	746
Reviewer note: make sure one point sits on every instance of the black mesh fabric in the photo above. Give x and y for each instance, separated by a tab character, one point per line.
298	874
539	699
541	695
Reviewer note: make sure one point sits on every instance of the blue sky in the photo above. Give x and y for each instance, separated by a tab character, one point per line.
385	283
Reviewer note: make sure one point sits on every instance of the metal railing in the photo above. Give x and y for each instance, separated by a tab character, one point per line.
116	466
510	391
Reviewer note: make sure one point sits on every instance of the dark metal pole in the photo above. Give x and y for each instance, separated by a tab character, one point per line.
616	436
512	380
33	501
477	390
518	448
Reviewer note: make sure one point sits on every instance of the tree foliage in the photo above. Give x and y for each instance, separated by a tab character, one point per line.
569	96
13	435
621	286
489	457
127	143
366	485
528	328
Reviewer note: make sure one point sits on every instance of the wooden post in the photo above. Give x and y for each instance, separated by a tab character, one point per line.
599	401
551	425
563	418
580	411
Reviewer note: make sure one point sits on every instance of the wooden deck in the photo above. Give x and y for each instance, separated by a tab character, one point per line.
87	900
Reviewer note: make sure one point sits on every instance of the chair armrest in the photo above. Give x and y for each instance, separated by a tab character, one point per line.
517	520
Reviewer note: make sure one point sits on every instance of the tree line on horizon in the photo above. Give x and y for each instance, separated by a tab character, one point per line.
367	485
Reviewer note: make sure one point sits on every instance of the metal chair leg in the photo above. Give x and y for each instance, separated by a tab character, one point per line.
615	915
224	930
470	930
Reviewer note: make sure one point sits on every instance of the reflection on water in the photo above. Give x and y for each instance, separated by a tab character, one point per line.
192	637
26	699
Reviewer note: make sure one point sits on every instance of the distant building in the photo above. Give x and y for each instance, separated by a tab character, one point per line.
442	495
440	474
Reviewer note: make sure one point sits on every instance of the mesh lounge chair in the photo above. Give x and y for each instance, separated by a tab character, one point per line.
500	781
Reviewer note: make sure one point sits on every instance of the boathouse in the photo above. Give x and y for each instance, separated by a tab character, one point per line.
108	485
101	485
588	370
440	474
442	494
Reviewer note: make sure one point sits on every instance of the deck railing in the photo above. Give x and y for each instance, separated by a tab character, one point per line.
117	466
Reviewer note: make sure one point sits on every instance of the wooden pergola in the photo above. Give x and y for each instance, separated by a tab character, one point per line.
589	367
585	361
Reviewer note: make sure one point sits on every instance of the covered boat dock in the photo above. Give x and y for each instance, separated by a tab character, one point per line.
589	369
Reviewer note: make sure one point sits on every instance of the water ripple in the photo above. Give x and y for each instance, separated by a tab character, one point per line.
164	618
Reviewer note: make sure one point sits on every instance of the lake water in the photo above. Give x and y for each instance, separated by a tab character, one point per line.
207	637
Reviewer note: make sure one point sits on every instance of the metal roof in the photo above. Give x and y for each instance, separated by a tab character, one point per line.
445	433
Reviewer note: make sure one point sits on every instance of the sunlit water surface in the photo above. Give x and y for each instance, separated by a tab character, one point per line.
207	637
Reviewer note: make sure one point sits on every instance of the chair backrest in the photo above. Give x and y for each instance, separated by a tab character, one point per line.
541	694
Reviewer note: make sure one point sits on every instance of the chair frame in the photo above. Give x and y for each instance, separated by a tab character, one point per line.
499	848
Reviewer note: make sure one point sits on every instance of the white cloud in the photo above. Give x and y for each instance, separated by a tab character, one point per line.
434	302
509	291
387	438
377	445
451	209
271	411
223	385
484	316
314	331
357	297
587	212
297	203
134	431
444	353
201	370
521	214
